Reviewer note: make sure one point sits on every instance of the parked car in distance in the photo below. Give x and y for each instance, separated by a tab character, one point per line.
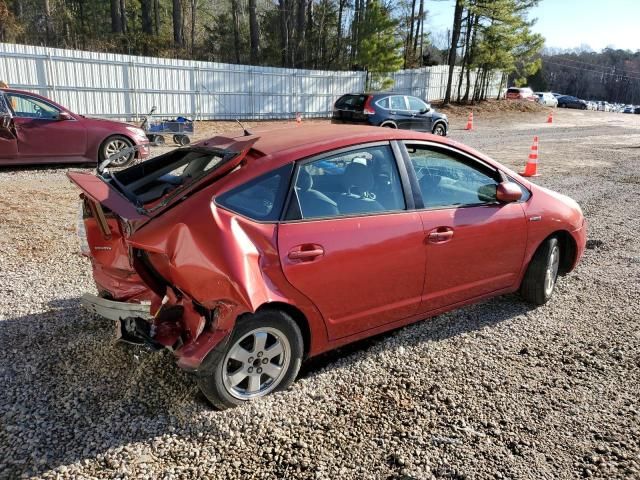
603	106
389	110
628	109
257	255
568	101
546	98
35	129
636	109
525	93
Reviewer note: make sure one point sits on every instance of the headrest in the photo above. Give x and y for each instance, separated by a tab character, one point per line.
358	175
305	182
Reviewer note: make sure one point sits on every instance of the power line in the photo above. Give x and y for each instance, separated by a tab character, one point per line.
597	66
617	75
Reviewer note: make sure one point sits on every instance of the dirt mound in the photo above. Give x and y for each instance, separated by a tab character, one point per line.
491	107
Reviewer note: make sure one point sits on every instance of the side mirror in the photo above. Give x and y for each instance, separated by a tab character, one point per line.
64	116
153	109
5	121
426	109
508	192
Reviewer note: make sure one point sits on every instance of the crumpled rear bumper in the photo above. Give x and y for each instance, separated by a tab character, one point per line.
114	310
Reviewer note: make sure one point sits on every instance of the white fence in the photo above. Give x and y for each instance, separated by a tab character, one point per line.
430	83
123	86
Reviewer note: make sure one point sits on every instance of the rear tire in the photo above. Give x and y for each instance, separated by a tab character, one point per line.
540	280
113	145
263	355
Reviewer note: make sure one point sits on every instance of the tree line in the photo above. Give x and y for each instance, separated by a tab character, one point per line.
612	75
373	35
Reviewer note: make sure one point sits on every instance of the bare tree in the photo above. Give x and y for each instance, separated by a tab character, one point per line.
455	35
235	18
116	19
146	7
178	37
254	32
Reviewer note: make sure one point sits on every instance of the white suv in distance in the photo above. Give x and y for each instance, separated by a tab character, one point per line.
546	98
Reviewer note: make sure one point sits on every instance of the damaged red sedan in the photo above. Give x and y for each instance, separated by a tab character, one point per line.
245	255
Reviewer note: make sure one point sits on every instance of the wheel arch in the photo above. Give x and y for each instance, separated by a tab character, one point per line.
568	250
389	124
296	314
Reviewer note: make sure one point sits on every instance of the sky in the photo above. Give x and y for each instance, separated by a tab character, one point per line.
568	23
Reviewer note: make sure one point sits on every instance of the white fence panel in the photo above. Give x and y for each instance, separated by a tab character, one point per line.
123	86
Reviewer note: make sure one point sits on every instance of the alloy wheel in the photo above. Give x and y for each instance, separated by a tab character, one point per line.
551	272
113	147
256	363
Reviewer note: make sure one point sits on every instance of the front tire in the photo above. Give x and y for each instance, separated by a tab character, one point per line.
440	130
540	280
112	146
263	356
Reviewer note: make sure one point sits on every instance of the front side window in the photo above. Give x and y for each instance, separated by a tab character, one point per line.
363	181
260	199
450	181
416	105
31	107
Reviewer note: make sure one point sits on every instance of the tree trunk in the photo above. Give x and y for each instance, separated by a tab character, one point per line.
284	34
341	5
116	19
235	18
419	31
156	16
455	35
123	15
178	38
194	12
300	19
254	33
409	40
465	56
470	60
147	22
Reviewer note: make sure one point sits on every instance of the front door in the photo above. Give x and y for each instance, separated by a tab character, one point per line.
41	135
8	142
399	112
421	115
475	245
350	245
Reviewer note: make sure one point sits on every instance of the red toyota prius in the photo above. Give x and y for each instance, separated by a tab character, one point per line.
245	255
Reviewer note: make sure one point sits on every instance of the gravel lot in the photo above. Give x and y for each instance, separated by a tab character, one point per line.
496	390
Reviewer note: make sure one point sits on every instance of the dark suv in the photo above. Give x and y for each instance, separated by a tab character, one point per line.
389	110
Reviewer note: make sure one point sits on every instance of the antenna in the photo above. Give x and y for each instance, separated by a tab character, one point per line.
247	133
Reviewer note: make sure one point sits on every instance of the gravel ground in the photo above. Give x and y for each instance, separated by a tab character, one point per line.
495	390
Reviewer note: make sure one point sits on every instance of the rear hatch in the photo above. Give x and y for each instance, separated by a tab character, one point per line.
350	108
116	204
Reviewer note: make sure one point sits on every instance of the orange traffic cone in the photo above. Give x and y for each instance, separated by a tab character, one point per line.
469	122
298	118
550	118
531	169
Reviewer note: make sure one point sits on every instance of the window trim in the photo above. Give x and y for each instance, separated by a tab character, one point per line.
400	166
499	174
406	99
38	99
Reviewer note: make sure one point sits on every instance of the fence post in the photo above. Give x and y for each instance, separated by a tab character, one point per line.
251	98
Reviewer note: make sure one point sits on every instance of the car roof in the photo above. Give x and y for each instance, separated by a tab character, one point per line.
277	147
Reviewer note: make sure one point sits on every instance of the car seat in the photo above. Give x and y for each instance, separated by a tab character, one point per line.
358	181
313	203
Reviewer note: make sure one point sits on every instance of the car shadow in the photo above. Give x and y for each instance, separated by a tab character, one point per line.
71	393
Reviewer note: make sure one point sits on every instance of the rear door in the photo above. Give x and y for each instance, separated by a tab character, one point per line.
8	141
399	112
359	258
41	135
475	245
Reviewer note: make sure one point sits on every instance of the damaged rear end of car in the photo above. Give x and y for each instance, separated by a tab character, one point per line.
144	241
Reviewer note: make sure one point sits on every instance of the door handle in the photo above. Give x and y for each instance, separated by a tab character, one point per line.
440	235
305	252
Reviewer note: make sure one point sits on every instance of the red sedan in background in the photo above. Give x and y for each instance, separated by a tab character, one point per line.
34	129
260	250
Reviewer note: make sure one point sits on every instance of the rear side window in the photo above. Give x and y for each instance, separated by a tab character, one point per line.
383	103
351	102
260	199
398	103
513	90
